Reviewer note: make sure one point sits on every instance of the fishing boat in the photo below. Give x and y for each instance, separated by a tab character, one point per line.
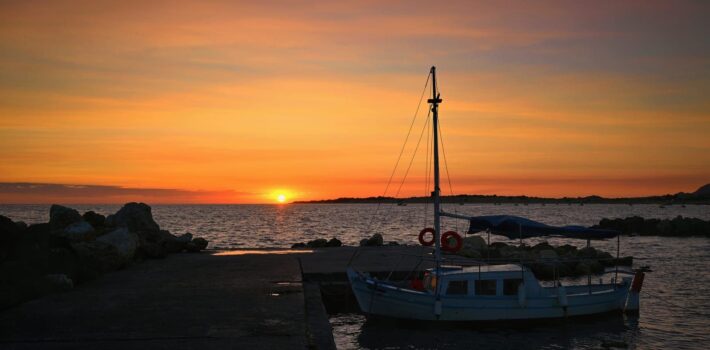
485	291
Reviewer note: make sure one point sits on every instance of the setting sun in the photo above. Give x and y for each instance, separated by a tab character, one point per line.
281	198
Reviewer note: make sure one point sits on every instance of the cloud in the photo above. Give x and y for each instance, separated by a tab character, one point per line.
27	192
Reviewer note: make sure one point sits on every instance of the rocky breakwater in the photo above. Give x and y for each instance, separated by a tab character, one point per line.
543	259
375	240
71	248
677	227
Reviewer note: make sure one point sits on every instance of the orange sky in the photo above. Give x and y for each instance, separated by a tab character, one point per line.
235	102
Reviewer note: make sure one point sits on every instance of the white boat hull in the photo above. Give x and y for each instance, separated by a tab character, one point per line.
382	299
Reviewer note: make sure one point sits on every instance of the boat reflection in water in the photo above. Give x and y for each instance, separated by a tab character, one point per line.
612	330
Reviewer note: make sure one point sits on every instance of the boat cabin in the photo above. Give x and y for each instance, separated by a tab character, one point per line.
483	280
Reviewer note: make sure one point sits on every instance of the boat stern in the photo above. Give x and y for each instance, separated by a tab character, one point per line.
633	298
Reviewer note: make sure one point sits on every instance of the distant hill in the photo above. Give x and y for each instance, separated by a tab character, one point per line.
703	191
701	196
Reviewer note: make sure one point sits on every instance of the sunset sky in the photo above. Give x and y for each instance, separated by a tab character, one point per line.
238	102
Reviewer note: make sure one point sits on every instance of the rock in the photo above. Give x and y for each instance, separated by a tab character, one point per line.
589	267
334	242
185	238
589	252
78	231
59	282
470	253
498	245
298	245
21	225
374	241
363	242
317	243
201	243
94	219
548	254
137	217
32	248
191	247
474	243
61	217
96	258
9	233
125	242
566	250
153	250
64	261
172	243
542	246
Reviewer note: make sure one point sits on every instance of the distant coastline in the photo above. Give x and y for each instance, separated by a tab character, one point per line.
701	196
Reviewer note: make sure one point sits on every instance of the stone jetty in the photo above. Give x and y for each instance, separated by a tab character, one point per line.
677	227
72	249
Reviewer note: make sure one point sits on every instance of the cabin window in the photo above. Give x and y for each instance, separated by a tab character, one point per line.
510	287
485	287
457	288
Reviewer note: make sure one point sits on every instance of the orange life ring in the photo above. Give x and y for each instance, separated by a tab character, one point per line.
421	236
445	241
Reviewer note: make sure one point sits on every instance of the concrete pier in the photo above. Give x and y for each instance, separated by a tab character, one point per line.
258	299
186	301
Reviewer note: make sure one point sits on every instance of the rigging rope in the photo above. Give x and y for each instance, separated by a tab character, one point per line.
404	178
401	152
446	164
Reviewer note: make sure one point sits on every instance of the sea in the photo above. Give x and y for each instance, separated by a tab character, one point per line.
675	301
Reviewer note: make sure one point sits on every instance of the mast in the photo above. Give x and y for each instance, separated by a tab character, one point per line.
435	100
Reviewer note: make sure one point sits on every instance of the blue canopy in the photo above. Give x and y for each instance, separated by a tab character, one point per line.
517	227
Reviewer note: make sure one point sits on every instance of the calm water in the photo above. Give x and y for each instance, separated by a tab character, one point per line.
675	299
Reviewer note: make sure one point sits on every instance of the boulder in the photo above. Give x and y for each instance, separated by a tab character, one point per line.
542	246
201	243
96	258
334	242
78	231
185	238
151	250
566	250
498	245
61	217
59	282
32	248
298	245
9	233
588	252
548	254
64	261
474	243
94	219
374	241
21	225
317	243
470	253
137	217
172	243
126	242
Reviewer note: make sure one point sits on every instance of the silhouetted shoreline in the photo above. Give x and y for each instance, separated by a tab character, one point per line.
701	196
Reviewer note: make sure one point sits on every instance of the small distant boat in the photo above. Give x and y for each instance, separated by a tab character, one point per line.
486	292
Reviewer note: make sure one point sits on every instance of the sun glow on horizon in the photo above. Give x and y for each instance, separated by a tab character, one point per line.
281	198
